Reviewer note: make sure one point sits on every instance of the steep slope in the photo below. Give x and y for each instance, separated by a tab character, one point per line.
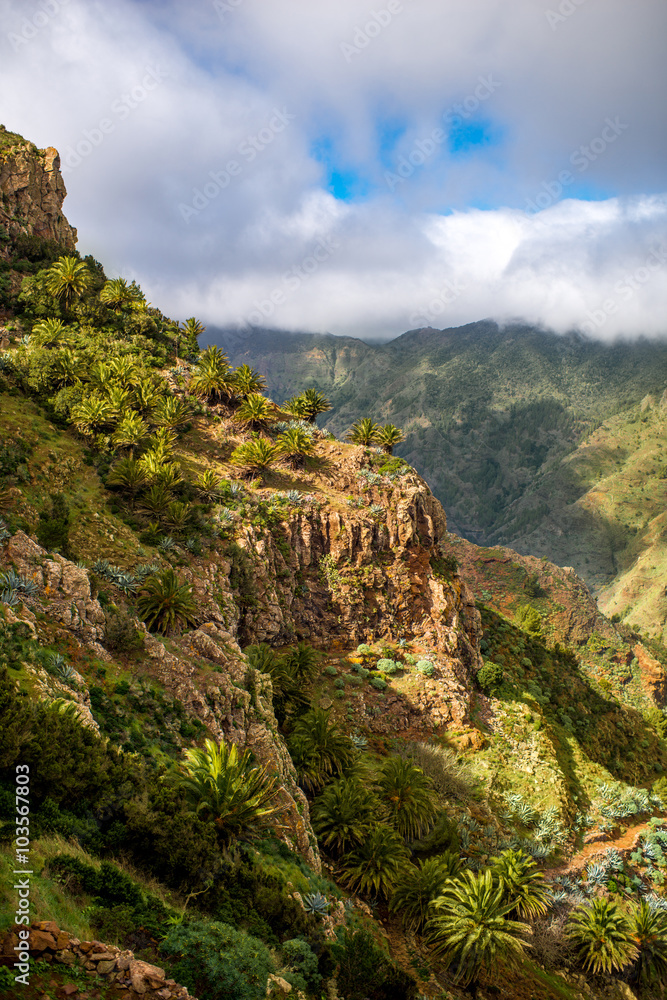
213	621
493	419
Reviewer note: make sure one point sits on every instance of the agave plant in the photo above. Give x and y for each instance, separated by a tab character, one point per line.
166	604
376	865
602	936
416	888
316	904
407	797
343	814
221	783
471	927
10	598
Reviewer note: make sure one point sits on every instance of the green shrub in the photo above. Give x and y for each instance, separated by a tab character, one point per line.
388	666
301	962
379	683
217	961
490	677
331	671
121	635
54	524
425	667
365	970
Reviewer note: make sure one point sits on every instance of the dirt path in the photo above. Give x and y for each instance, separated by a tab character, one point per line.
624	843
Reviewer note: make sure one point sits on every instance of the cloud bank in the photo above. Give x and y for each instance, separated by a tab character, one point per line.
359	168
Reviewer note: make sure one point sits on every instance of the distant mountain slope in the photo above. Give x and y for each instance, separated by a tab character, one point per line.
497	420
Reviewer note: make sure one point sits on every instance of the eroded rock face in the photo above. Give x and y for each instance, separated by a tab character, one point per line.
33	192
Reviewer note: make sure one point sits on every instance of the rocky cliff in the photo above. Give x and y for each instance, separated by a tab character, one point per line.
32	191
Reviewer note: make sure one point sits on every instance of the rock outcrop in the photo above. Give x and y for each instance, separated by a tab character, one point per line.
32	192
49	944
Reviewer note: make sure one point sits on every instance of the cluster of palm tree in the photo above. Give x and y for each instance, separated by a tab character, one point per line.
290	673
367	433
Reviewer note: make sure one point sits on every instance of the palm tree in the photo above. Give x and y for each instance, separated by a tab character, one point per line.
470	927
67	279
156	500
649	929
389	436
320	749
418	887
171	412
307	405
178	515
212	378
222	784
130	430
256	412
377	864
193	329
208	485
147	395
523	883
129	476
124	369
304	662
255	458
118	295
295	444
119	399
407	797
91	415
48	333
247	381
343	814
602	936
364	432
68	368
165	604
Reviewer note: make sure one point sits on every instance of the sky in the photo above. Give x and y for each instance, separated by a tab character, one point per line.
359	167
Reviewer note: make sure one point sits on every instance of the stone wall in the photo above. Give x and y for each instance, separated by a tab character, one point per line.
132	978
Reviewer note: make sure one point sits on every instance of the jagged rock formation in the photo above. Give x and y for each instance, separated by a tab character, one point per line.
32	191
223	701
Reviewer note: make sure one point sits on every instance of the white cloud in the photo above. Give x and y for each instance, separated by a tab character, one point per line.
204	187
